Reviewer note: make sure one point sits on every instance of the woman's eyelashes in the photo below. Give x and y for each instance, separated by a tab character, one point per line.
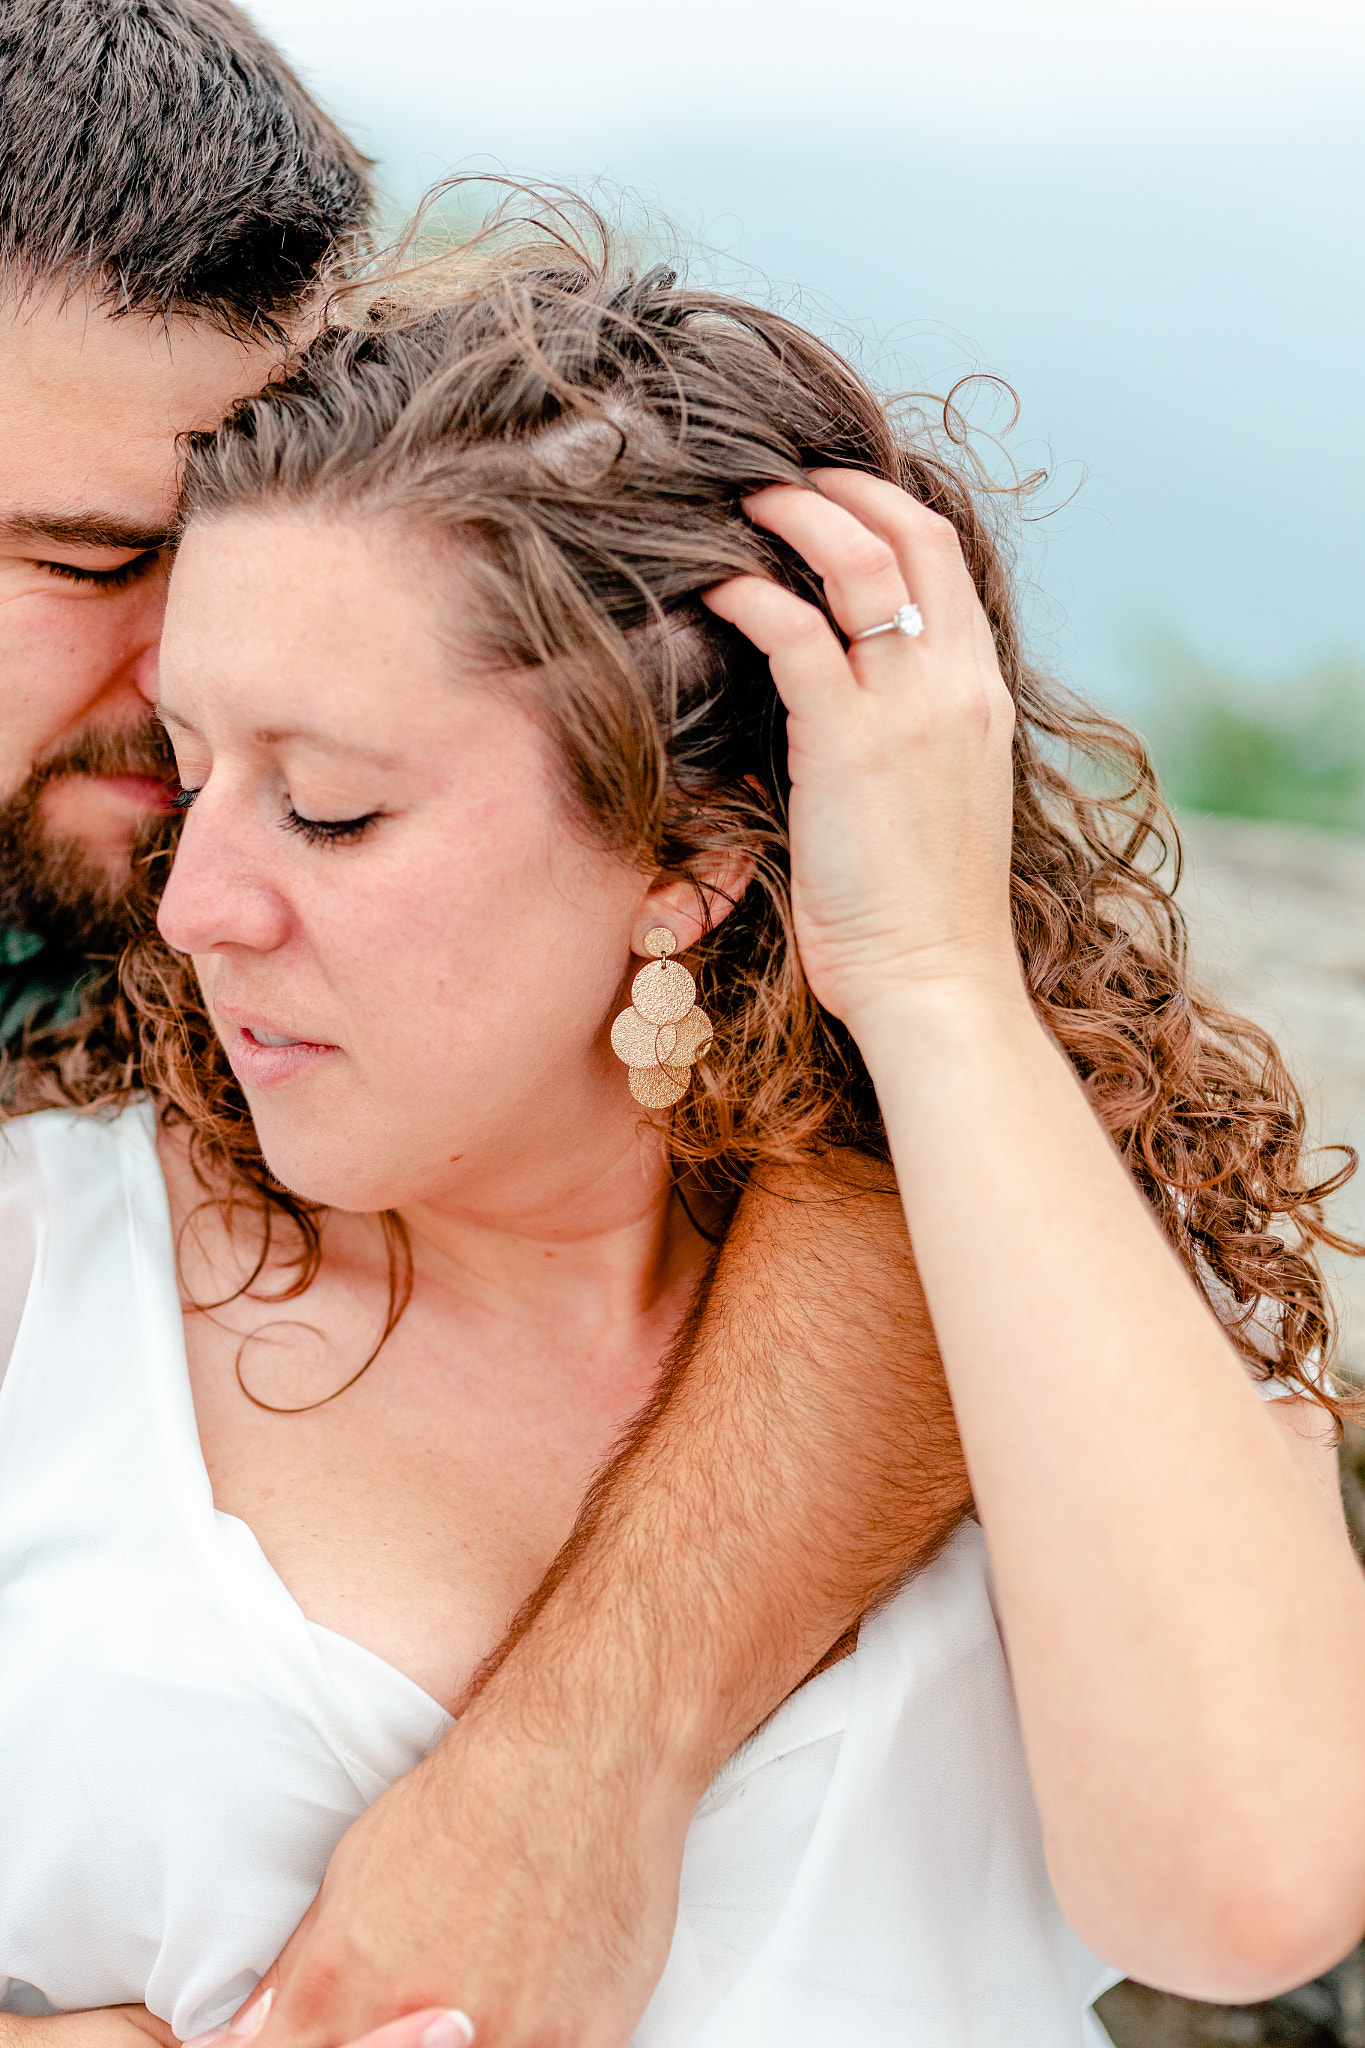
317	831
329	831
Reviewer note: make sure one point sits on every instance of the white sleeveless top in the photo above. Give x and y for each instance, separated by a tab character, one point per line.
181	1749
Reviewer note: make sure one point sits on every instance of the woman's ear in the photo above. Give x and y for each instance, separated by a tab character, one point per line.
692	904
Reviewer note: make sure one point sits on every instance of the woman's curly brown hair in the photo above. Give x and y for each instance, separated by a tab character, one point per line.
583	438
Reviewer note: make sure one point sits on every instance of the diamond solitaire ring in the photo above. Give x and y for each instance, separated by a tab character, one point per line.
908	620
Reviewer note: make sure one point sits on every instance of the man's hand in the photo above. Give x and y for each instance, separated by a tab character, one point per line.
800	1458
511	1876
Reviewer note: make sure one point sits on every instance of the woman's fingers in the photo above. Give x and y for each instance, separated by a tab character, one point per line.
848	530
435	2027
871	544
432	2027
925	544
863	580
809	666
929	551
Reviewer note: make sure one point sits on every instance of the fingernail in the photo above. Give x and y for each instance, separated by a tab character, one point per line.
254	2018
206	2040
453	2029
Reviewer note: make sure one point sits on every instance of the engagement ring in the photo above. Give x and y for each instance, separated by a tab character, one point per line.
908	620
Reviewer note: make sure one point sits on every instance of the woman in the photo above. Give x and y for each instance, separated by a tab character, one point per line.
521	931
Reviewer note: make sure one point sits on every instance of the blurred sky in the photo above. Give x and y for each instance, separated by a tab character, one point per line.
1146	216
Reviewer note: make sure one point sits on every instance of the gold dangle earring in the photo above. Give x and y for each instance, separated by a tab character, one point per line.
663	1031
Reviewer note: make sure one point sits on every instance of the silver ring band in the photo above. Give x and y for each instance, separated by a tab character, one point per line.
908	620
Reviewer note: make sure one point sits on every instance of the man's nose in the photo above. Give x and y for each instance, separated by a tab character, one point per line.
145	650
124	667
219	892
145	670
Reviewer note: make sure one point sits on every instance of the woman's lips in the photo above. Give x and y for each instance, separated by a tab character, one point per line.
263	1059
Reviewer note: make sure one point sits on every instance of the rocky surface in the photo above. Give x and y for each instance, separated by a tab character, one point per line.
1277	928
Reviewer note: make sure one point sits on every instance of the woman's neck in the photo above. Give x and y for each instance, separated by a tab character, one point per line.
599	1261
589	1239
415	1504
582	1238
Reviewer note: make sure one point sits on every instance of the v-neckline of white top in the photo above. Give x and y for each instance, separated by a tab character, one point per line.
841	1876
323	1667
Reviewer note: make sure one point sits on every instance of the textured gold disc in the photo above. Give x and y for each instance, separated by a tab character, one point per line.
635	1040
664	992
657	1087
694	1034
660	941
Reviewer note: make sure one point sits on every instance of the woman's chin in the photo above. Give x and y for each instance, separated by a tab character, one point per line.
354	1175
325	1187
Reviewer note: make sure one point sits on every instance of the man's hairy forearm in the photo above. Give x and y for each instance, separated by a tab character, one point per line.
799	1459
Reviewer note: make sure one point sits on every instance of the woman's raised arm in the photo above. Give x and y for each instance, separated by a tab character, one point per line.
1184	1618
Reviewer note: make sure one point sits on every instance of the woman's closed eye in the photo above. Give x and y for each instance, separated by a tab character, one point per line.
329	831
317	831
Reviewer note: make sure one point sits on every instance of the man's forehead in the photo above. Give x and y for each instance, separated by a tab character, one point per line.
91	407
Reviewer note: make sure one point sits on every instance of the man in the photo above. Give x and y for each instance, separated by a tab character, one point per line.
169	197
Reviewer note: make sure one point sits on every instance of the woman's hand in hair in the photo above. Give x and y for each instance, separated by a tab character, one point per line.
899	748
1173	1596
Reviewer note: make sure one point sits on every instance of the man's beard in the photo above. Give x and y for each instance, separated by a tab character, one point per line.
50	885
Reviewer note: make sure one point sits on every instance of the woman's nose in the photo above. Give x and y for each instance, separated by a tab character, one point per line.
219	892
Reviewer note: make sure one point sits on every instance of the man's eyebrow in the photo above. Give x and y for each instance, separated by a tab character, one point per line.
84	530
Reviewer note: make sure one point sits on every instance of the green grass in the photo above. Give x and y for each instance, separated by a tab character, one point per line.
1295	750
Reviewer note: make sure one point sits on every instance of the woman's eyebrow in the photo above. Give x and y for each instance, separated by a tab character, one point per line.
325	742
278	736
